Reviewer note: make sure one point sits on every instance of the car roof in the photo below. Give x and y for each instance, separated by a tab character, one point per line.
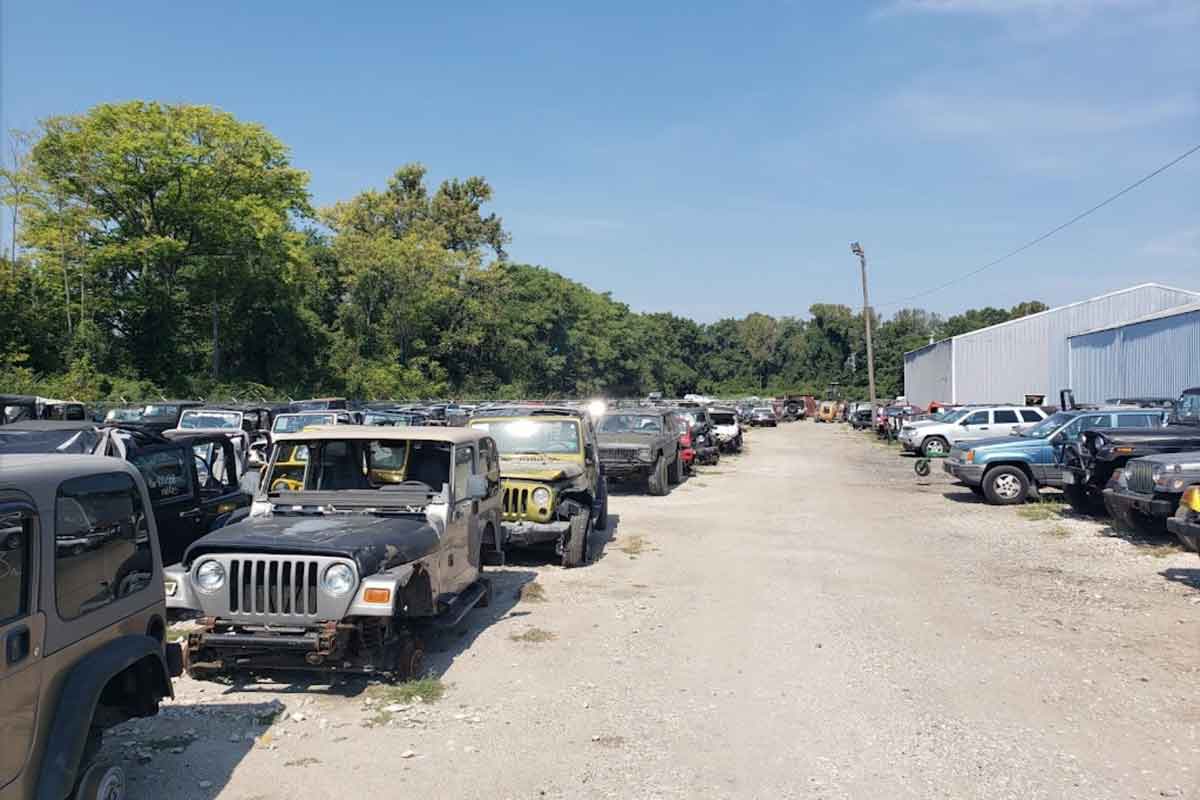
34	470
50	425
372	432
518	410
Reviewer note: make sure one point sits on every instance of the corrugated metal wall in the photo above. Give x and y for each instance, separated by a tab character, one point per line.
1158	358
1032	355
927	373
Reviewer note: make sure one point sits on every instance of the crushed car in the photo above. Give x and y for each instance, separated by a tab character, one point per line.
341	566
727	429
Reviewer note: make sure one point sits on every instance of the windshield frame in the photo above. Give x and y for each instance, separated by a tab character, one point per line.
330	419
219	413
491	426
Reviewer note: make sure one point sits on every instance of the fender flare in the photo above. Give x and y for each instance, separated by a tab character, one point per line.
76	707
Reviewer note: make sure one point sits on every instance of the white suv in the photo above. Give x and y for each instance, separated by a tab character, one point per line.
967	424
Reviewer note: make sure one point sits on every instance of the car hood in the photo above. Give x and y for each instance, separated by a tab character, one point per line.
1189	461
374	542
536	468
1178	438
1015	442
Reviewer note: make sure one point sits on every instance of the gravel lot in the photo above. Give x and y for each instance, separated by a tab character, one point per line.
806	620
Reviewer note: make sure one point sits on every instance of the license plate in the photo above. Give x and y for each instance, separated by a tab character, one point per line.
1068	478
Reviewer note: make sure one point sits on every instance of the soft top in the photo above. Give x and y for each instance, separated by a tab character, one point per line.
373	432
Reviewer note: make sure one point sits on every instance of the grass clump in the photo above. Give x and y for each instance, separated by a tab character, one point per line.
1061	531
1042	510
532	592
534	636
424	690
632	545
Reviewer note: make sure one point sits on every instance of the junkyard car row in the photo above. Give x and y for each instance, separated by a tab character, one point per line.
1134	459
316	535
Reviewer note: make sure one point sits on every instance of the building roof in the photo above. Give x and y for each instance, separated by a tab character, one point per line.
1057	309
418	433
1177	311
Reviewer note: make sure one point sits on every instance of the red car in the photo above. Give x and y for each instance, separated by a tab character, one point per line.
685	442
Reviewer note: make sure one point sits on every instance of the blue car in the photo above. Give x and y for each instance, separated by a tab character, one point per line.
1004	469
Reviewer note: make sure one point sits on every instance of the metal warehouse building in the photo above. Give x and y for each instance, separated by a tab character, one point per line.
1031	355
1157	355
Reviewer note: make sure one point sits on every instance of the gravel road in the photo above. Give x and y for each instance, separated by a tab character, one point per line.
806	620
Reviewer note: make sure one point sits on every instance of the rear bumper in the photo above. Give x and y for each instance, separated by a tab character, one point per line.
1188	531
1150	505
523	534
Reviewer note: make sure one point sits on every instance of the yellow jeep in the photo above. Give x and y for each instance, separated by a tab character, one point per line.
552	486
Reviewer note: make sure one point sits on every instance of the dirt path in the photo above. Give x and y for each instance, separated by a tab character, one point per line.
806	620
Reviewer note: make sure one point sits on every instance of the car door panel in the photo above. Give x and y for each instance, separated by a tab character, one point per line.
170	474
21	638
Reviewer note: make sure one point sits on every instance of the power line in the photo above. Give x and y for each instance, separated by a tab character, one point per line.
1048	233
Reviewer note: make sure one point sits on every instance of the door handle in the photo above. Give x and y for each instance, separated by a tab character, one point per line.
193	514
16	645
983	427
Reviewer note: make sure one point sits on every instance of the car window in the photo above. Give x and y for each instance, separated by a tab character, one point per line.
978	418
1097	422
16	530
464	459
165	473
1135	420
1005	416
1029	415
533	436
102	543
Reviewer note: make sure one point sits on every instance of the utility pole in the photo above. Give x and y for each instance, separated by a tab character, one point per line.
857	250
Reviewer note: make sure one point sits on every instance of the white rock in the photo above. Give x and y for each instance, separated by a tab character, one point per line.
407	754
205	784
298	717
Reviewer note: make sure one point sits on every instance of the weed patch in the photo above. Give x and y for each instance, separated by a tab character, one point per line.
533	635
1042	511
632	545
424	690
532	592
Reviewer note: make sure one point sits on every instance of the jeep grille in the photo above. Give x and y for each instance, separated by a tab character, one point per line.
516	501
270	589
619	453
1141	479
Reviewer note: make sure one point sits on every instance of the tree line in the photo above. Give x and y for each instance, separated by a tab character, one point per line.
162	249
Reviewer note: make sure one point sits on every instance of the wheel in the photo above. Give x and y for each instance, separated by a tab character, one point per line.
602	514
921	467
102	782
410	661
1005	486
575	548
656	481
673	472
935	447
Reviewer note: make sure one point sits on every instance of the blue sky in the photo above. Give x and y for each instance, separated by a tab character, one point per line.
708	159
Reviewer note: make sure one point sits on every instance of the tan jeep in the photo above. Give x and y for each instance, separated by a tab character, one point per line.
82	621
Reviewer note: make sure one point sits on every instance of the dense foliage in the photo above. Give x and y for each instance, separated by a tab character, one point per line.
173	249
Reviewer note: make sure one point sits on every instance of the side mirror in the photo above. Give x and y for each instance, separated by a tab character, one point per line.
589	452
477	487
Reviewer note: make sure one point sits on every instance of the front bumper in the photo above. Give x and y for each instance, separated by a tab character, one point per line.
1188	531
1151	505
970	474
625	469
524	534
222	647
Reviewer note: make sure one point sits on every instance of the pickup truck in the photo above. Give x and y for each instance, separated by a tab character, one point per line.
1005	469
1097	462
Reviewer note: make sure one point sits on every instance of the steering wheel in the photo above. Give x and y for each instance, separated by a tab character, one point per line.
286	485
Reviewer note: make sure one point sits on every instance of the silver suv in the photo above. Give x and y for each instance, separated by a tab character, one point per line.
967	424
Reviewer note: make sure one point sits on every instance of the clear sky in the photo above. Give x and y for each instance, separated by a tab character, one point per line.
710	159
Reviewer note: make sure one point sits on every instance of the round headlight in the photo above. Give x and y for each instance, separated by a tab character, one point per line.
541	497
338	580
210	576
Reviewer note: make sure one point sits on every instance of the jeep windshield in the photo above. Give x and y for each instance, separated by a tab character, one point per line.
723	418
211	420
533	436
294	423
631	423
420	468
1187	410
1048	426
160	411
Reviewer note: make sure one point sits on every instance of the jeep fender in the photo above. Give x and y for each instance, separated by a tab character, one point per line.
77	702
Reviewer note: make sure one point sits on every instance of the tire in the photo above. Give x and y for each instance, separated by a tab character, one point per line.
575	548
1005	486
602	514
656	481
102	781
674	475
935	447
976	490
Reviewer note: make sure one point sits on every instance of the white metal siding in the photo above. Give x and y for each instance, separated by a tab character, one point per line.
927	373
1158	358
1032	355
